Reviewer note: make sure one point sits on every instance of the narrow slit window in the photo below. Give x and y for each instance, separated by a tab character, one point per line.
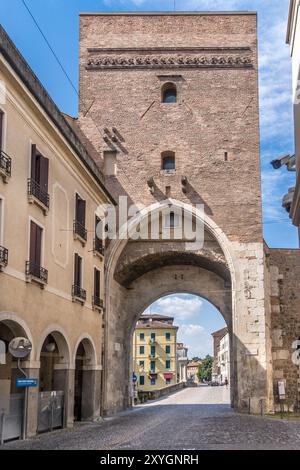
169	93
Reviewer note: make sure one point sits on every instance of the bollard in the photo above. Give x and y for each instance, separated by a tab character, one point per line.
2	423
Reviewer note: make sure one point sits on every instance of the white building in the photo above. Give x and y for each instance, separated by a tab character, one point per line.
224	359
221	363
182	361
293	39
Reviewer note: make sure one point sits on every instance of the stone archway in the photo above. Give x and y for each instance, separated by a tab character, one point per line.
12	397
87	381
55	376
228	274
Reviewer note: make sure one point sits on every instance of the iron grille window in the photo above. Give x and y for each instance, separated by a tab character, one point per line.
35	270
5	163
78	292
3	256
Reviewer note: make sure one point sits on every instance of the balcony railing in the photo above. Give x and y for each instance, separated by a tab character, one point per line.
3	256
97	302
79	230
34	189
78	293
36	271
98	246
5	164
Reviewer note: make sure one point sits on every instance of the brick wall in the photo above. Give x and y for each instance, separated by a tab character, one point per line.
284	268
216	111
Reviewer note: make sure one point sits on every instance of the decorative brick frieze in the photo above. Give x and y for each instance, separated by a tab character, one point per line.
167	61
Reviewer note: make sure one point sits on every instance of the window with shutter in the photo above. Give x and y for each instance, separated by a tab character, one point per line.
77	270
35	254
97	283
80	210
38	184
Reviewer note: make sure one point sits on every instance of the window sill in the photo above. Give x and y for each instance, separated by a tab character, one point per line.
79	238
5	176
167	172
99	255
77	299
34	200
98	309
35	280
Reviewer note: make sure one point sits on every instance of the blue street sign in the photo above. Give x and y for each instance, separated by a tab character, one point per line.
27	382
134	378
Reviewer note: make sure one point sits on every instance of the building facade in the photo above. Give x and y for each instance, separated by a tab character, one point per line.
221	360
52	262
154	352
293	39
182	361
192	371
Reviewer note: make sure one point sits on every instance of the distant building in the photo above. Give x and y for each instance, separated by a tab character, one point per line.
192	371
182	361
221	363
154	352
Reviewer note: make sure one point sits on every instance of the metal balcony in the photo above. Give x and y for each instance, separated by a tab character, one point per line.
35	190
78	293
3	256
5	165
36	272
79	230
98	246
97	302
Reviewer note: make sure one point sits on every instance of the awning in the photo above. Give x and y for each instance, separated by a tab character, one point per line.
168	376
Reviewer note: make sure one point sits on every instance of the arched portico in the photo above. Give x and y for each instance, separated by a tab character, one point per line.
138	272
87	381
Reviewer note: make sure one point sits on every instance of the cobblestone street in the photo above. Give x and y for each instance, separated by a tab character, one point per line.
194	418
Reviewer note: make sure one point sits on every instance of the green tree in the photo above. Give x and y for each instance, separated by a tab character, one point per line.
205	369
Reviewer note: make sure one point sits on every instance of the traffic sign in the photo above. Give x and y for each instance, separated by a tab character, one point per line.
134	378
27	382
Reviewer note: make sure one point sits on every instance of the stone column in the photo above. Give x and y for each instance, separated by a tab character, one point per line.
64	380
32	402
91	387
184	373
250	330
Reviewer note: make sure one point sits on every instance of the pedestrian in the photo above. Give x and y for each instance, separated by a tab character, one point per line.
226	382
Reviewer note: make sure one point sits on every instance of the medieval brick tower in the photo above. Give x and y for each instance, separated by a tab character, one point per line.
170	103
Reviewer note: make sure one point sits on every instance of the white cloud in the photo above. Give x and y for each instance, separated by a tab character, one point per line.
197	338
181	307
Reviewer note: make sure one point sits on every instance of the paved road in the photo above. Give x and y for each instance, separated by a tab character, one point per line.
194	418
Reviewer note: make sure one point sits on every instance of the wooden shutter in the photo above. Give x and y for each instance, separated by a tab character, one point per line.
97	283
38	251
32	242
97	220
33	162
35	254
1	129
80	210
44	173
77	270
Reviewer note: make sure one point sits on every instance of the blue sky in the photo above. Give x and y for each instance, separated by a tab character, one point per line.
59	21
